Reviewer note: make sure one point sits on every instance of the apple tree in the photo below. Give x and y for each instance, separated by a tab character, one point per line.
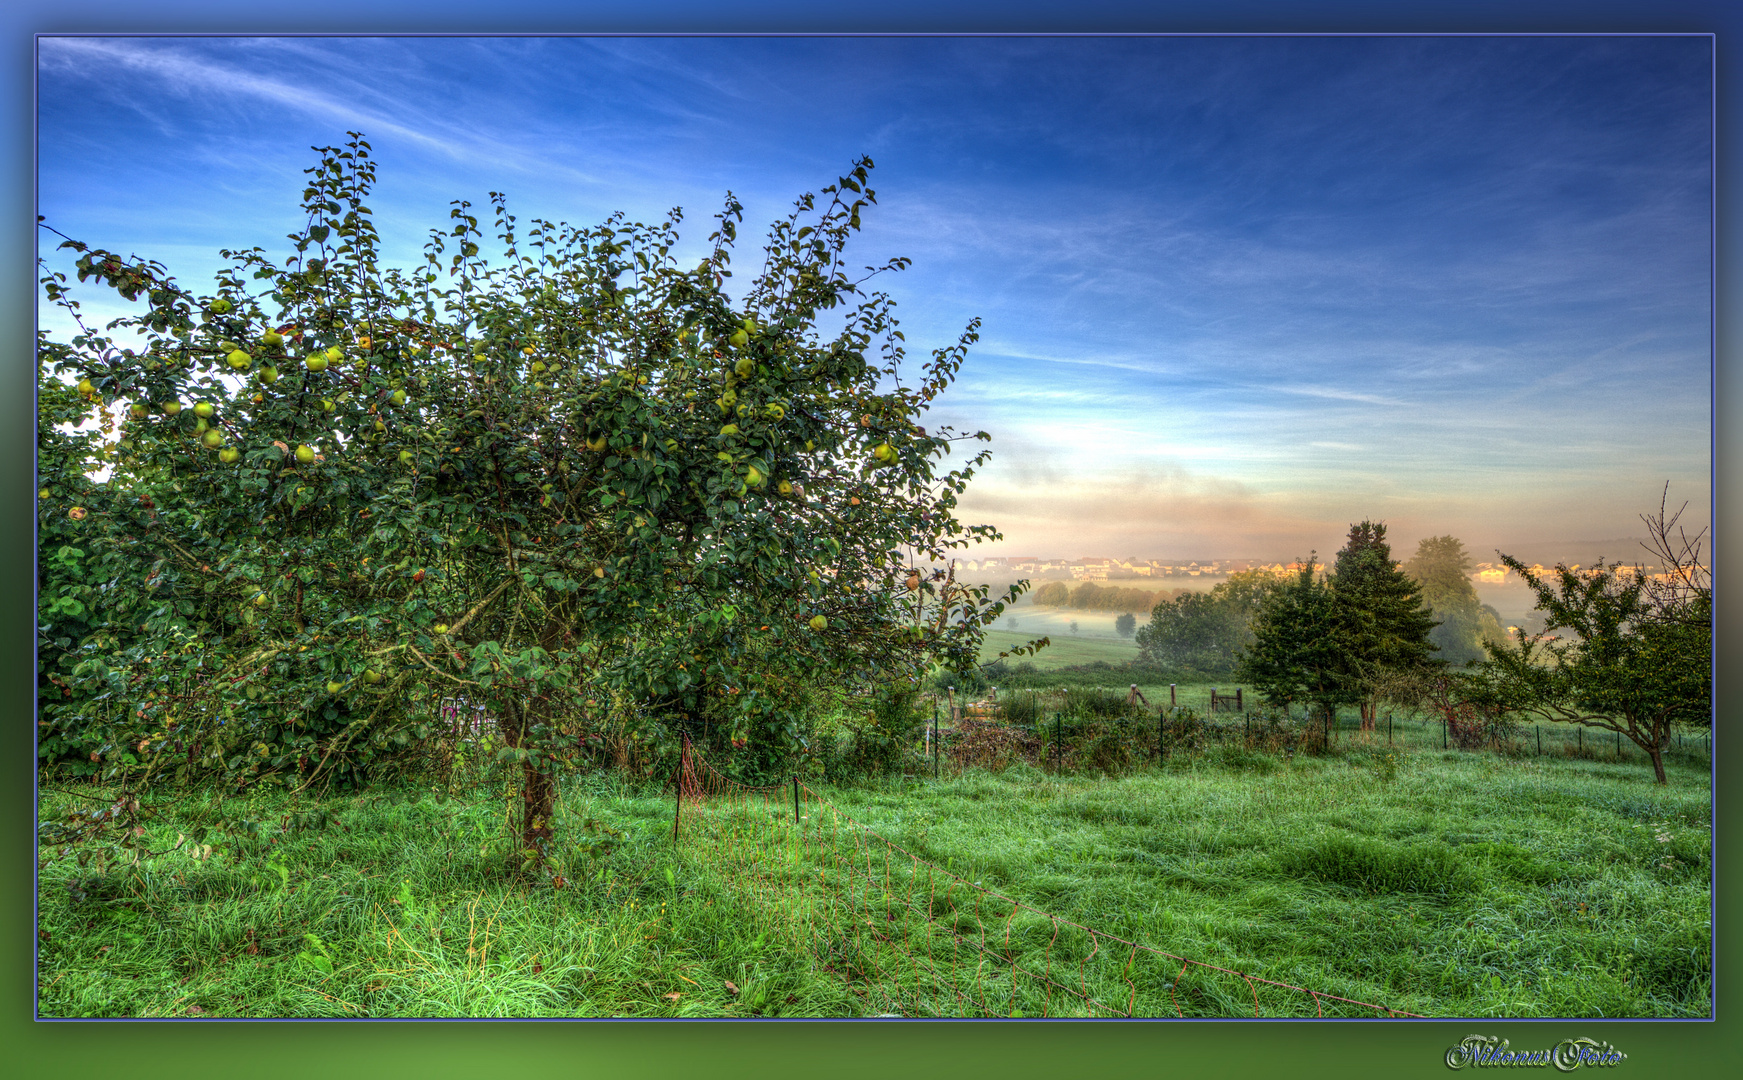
570	485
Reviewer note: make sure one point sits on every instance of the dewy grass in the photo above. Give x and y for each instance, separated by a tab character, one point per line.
1448	884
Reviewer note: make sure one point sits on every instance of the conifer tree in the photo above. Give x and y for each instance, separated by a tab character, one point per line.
1385	624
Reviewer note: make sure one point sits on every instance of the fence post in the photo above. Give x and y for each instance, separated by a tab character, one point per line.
1443	723
1539	731
1240	708
1171	700
1618	745
678	786
935	747
1160	713
1388	729
1580	738
795	798
1058	743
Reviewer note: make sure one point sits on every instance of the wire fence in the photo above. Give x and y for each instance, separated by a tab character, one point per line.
912	938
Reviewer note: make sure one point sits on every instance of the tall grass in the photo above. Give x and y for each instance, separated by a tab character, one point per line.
1445	883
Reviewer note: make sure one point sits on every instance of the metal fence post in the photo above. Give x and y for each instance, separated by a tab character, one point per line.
1171	698
1539	731
935	747
795	798
678	785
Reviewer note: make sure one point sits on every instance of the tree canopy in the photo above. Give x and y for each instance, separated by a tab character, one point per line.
580	484
1637	658
1206	631
1441	568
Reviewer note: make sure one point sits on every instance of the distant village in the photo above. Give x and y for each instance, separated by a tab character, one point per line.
1098	568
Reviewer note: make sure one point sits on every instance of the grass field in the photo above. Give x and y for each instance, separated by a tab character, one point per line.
1444	883
1063	649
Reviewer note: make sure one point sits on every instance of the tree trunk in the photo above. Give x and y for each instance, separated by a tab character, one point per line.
538	792
1657	752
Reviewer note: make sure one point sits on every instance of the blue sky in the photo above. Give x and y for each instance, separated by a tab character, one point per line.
1236	292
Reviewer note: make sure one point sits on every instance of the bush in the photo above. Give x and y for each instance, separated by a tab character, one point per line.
882	742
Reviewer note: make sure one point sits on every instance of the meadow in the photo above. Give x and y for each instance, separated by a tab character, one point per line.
1445	883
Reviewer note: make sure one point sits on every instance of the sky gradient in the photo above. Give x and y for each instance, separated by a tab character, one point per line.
1236	292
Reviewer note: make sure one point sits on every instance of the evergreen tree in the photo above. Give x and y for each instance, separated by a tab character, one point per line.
1300	649
1386	624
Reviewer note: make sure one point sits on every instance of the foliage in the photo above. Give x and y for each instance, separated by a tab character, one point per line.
1385	626
1205	631
1090	596
581	487
1299	651
1441	568
883	740
1126	624
1639	658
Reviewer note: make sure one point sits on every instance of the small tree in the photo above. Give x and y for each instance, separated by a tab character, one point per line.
1639	660
1300	649
1126	624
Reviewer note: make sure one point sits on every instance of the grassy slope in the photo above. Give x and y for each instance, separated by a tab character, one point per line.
1063	649
1446	883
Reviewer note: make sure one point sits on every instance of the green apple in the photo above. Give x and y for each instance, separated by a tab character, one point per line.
229	455
372	676
335	354
316	362
139	411
326	404
730	429
754	477
305	454
397	397
201	427
745	368
406	457
885	453
213	439
238	359
441	628
203	410
269	375
260	599
786	487
538	367
596	445
775	410
739	339
272	339
819	623
86	387
43	494
334	687
218	306
171	408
